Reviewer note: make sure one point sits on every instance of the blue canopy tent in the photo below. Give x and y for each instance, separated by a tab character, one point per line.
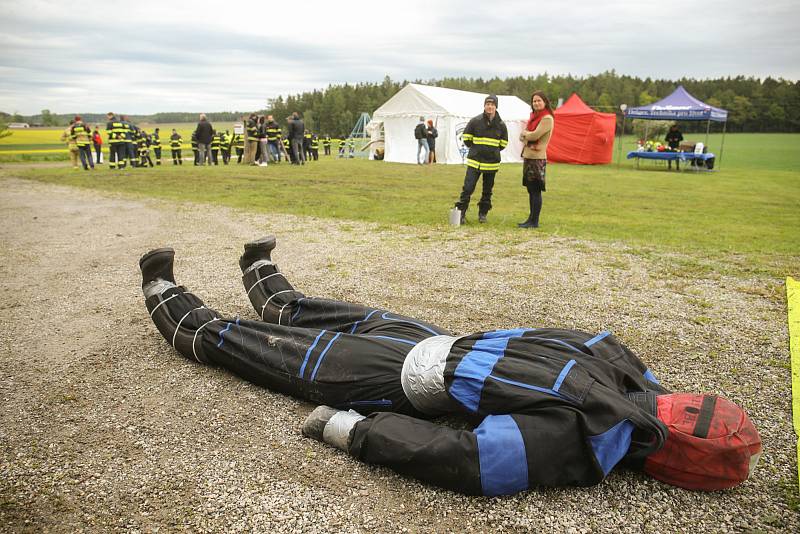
681	106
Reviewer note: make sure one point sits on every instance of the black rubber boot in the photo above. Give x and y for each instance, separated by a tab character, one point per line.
157	265
260	249
269	292
171	307
526	222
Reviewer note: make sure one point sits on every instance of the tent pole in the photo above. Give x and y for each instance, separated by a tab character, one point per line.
619	148
722	146
708	129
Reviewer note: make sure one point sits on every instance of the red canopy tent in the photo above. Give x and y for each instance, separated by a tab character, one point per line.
581	134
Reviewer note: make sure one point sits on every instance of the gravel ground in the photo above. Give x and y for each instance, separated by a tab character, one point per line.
105	428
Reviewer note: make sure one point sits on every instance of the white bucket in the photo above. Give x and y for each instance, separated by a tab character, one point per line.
455	217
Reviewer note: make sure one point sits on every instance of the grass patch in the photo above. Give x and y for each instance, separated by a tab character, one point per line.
742	219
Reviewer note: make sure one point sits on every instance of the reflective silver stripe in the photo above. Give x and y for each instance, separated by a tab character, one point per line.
179	324
194	351
337	429
261	280
264	307
422	377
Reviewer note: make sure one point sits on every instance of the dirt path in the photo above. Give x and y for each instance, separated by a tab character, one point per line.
104	427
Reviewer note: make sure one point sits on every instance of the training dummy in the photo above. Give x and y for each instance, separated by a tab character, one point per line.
547	407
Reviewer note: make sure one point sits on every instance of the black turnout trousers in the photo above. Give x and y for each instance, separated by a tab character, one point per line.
344	355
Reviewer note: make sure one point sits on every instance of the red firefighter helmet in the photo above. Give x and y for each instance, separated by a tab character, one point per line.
711	445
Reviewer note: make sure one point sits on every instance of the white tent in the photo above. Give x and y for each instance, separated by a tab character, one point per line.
450	111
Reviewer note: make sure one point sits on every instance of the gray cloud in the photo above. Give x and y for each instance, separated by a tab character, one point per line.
153	57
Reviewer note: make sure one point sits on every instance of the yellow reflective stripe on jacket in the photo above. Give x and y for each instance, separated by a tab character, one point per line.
503	143
467	137
486	141
481	166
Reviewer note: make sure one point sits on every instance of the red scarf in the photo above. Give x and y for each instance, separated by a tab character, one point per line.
536	118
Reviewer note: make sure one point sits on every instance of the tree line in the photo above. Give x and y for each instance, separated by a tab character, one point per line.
753	104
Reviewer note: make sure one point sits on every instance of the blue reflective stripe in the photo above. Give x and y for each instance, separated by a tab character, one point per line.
563	374
501	454
406	341
472	370
648	374
370	314
435	333
322	356
308	354
612	445
222	335
602	335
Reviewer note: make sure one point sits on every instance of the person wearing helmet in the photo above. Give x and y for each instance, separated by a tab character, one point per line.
546	407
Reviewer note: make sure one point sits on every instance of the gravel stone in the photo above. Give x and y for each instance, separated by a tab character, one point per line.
105	428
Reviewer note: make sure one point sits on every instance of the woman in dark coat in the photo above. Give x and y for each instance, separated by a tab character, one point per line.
431	133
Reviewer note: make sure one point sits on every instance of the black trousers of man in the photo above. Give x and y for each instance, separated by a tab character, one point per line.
176	157
157	153
470	182
117	153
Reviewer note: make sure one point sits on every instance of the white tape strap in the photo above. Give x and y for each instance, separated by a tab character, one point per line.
280	314
162	302
175	335
194	351
261	280
168	299
264	307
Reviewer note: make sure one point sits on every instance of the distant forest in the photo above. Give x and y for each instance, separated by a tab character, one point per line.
753	104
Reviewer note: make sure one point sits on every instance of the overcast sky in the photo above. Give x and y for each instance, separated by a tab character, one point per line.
144	57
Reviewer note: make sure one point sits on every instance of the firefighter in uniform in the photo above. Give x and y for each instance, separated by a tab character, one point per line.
130	142
545	406
143	141
175	141
115	129
273	130
216	142
225	142
326	144
314	146
251	140
82	137
342	146
287	149
155	143
485	135
307	144
195	150
238	145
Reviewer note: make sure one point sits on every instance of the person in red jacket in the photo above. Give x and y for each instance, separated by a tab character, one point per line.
97	141
548	407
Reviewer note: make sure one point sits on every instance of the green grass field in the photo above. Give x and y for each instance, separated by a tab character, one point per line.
741	219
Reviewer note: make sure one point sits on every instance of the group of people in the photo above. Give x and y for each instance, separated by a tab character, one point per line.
426	134
266	142
131	145
486	135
